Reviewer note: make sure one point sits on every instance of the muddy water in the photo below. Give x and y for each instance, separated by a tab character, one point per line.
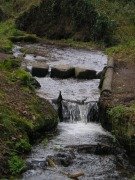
79	109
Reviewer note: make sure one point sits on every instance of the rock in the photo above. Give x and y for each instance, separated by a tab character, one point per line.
59	104
42	164
61	159
62	71
101	74
40	70
81	73
98	149
35	83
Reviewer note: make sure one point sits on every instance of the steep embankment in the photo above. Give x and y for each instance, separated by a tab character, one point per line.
23	115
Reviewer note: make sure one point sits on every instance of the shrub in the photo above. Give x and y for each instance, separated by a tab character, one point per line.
23	145
59	19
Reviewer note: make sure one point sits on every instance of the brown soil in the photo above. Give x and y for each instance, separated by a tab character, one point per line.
123	93
4	56
123	85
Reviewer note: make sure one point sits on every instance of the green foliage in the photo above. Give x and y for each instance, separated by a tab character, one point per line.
9	34
25	78
7	29
117	113
67	19
13	7
2	15
10	64
25	38
133	178
122	118
23	145
124	52
16	164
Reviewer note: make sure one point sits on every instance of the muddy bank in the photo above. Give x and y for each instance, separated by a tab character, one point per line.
116	110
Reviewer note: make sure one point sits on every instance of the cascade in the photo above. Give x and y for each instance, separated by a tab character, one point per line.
75	111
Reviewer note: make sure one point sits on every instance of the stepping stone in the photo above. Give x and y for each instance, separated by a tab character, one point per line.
81	73
40	70
62	71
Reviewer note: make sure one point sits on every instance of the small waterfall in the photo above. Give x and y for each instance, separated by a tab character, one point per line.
75	111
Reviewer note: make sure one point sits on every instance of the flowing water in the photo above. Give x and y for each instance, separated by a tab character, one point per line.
79	133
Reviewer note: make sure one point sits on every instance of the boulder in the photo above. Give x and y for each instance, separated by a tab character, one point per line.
62	71
40	70
81	73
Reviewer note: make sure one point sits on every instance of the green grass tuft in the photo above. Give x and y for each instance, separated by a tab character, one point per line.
16	164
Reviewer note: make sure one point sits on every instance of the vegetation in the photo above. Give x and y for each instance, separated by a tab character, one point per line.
63	19
122	121
16	164
22	115
9	34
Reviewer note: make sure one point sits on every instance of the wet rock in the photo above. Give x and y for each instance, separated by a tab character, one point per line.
93	115
99	149
82	73
62	71
59	104
40	70
42	164
35	83
62	158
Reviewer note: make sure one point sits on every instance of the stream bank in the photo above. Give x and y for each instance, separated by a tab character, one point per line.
117	112
23	115
80	144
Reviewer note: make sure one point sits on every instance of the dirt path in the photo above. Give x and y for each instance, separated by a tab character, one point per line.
123	84
118	110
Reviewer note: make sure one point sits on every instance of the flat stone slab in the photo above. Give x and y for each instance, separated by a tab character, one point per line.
81	73
40	70
62	71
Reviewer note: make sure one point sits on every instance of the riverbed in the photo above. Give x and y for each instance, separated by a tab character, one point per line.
79	127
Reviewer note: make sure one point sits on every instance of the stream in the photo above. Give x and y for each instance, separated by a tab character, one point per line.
80	144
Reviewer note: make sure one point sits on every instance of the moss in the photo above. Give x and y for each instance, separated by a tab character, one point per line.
123	124
7	29
9	34
23	115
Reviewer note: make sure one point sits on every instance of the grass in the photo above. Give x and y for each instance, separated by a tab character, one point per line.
23	116
16	164
122	119
7	29
9	34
